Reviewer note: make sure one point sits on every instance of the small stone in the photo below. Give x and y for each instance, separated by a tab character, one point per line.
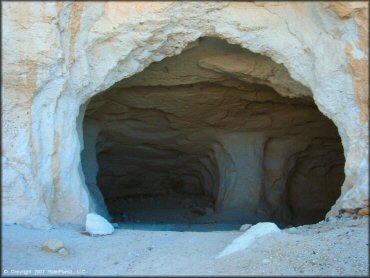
98	225
265	261
63	251
364	211
53	245
245	227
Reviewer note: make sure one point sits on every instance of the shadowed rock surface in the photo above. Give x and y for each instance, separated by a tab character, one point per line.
204	136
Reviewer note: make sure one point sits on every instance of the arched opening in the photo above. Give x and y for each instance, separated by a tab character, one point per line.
215	134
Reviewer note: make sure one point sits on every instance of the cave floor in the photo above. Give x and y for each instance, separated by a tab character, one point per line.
338	247
174	208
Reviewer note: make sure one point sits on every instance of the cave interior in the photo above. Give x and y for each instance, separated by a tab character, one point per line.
216	134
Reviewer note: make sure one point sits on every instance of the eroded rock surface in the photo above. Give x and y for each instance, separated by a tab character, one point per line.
58	55
180	128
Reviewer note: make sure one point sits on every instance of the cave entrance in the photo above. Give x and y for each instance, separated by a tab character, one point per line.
217	134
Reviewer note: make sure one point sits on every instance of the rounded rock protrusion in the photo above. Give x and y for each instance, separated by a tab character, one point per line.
97	225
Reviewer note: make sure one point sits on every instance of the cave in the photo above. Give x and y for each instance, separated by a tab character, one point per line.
216	134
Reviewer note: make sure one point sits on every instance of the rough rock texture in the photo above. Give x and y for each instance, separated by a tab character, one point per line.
58	55
178	128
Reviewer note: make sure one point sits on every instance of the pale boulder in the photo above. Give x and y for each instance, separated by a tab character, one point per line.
98	225
247	239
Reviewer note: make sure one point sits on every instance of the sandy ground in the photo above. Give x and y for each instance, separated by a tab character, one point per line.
331	248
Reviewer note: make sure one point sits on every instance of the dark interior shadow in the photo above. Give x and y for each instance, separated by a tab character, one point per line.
180	227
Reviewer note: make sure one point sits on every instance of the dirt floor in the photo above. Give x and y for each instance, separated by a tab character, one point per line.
339	247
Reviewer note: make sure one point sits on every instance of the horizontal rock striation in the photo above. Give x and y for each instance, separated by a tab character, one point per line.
59	55
179	128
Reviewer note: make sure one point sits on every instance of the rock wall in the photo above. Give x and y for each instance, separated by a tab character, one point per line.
58	55
185	125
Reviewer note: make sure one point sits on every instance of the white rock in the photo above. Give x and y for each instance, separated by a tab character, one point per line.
97	225
245	227
245	240
63	251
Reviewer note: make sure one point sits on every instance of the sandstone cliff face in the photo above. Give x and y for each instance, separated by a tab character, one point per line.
57	56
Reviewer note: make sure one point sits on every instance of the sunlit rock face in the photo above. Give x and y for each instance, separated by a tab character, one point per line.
57	56
179	129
